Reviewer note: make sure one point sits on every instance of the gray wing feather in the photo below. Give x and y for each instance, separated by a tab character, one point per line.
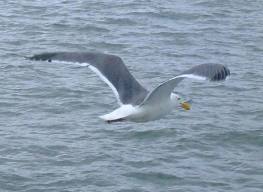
211	72
111	66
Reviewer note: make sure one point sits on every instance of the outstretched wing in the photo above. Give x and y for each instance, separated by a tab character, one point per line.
211	72
110	69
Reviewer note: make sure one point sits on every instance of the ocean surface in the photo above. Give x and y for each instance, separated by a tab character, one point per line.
51	138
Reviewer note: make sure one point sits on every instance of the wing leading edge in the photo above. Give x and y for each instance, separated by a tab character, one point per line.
211	72
111	70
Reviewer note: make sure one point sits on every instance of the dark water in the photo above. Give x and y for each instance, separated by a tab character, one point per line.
51	138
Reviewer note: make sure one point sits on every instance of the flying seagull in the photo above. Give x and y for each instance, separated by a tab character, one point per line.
136	102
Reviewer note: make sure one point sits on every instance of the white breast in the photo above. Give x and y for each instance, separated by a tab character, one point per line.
141	113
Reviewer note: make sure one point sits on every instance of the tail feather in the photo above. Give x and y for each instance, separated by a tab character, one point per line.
119	114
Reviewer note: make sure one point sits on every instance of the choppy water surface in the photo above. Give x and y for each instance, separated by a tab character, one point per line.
51	138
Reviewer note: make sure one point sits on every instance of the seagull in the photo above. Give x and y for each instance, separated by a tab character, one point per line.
136	103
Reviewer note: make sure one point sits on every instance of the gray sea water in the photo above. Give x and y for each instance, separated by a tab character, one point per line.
51	138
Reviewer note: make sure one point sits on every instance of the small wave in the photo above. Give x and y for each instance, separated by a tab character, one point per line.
93	28
245	138
120	21
106	45
155	177
151	134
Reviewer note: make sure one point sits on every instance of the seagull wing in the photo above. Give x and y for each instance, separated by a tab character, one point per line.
211	72
109	68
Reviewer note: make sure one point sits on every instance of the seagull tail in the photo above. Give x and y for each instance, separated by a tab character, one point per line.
119	114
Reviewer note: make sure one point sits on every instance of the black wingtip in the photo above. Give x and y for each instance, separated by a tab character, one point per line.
42	57
221	74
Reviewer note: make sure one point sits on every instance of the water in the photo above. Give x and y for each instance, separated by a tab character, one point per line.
51	136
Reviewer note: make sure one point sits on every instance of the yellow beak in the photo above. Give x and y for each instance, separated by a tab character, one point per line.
186	105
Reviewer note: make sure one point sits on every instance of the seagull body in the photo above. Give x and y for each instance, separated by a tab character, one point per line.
135	102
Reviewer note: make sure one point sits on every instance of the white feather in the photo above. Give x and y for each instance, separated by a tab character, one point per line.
71	62
95	70
192	76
